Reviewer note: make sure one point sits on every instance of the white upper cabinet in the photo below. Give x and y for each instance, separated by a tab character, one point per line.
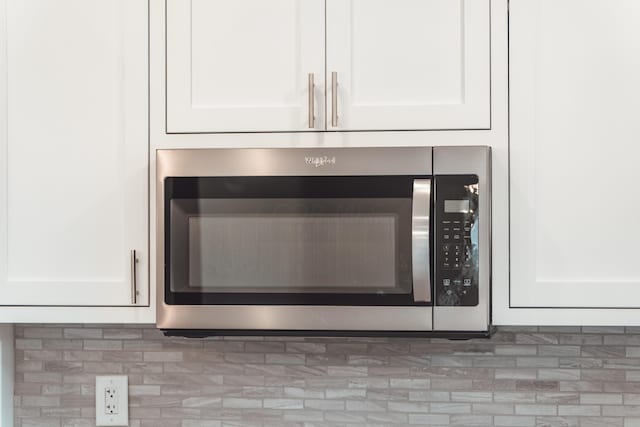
245	65
575	145
408	64
73	152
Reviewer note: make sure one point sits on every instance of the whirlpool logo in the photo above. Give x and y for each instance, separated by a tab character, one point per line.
320	161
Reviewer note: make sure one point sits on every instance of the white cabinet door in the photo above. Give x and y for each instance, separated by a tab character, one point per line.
408	64
574	153
244	65
73	151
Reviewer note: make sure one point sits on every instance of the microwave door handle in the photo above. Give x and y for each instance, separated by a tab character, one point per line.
420	253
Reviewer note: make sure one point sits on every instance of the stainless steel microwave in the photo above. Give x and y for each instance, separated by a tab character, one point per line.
324	240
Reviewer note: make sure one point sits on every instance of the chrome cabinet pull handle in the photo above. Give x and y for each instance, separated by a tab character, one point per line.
311	102
420	240
334	99
134	287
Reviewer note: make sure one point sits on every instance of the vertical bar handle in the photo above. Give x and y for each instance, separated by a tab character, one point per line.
311	101
334	99
420	251
134	287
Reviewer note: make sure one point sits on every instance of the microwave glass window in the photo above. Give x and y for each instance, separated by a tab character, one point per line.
293	253
456	206
339	240
276	245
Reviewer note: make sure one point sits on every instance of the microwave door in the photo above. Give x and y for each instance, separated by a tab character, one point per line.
420	253
295	241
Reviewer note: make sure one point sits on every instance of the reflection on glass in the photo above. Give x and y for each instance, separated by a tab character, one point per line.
456	206
286	253
471	217
285	246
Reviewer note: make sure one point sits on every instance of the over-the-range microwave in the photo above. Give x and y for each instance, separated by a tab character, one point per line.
338	241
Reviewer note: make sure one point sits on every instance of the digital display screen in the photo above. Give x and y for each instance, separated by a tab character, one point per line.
456	206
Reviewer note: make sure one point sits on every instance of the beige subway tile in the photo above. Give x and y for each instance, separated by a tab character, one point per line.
429	419
514	421
82	333
42	377
42	332
471	420
241	403
28	344
536	409
122	356
41	401
102	345
605	399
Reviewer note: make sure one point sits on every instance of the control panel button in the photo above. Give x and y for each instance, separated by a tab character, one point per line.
456	252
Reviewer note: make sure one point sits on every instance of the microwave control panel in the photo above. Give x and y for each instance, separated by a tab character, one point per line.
456	240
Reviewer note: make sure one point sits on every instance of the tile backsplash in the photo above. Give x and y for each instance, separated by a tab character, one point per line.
522	376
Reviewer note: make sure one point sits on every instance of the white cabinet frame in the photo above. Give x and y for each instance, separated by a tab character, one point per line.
50	115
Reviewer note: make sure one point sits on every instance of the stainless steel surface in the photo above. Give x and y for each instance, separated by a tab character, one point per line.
292	162
283	162
134	287
327	162
469	160
311	102
420	240
319	318
334	99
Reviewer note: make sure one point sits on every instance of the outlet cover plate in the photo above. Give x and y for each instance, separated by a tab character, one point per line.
112	392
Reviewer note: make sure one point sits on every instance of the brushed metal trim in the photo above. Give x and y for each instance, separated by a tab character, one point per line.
160	281
470	160
292	162
295	317
311	90
134	285
420	240
285	162
334	99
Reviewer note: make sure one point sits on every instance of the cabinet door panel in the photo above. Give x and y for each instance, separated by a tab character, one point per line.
575	98
74	156
410	64
243	65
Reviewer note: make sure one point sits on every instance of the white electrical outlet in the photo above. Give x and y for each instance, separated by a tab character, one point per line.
112	401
